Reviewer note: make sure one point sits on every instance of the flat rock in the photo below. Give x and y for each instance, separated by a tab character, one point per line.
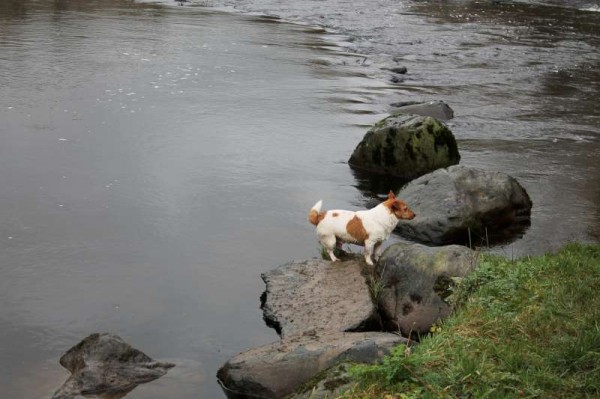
436	109
106	366
317	295
278	369
467	206
416	281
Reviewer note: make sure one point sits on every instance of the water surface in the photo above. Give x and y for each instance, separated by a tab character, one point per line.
156	159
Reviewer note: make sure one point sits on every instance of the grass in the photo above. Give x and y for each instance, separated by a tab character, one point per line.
527	328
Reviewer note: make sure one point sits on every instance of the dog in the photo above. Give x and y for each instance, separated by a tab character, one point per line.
369	228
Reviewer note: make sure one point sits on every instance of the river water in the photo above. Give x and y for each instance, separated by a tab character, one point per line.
155	159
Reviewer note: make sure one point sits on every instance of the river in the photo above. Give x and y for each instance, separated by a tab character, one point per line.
155	159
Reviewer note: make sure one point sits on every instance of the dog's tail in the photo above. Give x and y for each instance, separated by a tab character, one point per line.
315	215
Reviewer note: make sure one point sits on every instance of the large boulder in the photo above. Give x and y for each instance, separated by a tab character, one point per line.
436	109
106	366
278	369
416	280
317	295
465	206
406	146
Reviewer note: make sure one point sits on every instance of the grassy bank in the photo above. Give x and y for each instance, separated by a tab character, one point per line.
525	328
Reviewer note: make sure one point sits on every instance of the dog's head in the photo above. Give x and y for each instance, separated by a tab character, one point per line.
398	207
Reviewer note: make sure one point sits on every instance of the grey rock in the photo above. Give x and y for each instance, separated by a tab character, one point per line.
327	385
278	369
417	279
468	206
406	146
401	70
316	295
105	366
436	109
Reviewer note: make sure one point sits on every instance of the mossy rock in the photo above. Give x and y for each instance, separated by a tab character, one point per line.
328	384
406	146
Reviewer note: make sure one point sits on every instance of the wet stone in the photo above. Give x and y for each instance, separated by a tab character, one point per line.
106	366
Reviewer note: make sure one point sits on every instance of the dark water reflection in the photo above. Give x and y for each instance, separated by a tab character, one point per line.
155	160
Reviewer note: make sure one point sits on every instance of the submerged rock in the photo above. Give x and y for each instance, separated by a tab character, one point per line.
105	366
317	295
436	109
462	205
278	369
416	280
406	146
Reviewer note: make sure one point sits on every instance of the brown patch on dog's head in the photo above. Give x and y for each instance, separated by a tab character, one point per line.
398	207
356	229
402	211
335	214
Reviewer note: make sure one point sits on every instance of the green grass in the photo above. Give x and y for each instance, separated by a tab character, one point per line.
526	328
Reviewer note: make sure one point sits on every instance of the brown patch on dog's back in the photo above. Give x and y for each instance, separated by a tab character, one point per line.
335	214
356	229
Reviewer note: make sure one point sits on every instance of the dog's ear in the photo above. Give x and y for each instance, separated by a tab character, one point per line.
391	195
399	205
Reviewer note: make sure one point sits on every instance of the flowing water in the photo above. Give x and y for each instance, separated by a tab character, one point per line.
155	159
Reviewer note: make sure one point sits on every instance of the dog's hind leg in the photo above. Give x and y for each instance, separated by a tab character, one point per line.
369	245
377	250
329	242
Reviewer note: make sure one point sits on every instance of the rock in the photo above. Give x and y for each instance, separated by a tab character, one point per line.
406	146
278	369
105	366
317	295
329	384
462	205
436	109
416	280
396	79
401	70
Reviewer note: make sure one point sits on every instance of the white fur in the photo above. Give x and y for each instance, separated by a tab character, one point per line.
378	222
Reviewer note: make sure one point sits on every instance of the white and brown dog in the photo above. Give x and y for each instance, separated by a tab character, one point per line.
368	228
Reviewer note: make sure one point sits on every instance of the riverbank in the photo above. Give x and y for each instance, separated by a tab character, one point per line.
525	328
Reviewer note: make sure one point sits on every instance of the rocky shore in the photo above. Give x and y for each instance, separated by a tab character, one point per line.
330	314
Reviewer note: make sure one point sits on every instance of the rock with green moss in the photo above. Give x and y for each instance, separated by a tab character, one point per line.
416	281
406	146
329	384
